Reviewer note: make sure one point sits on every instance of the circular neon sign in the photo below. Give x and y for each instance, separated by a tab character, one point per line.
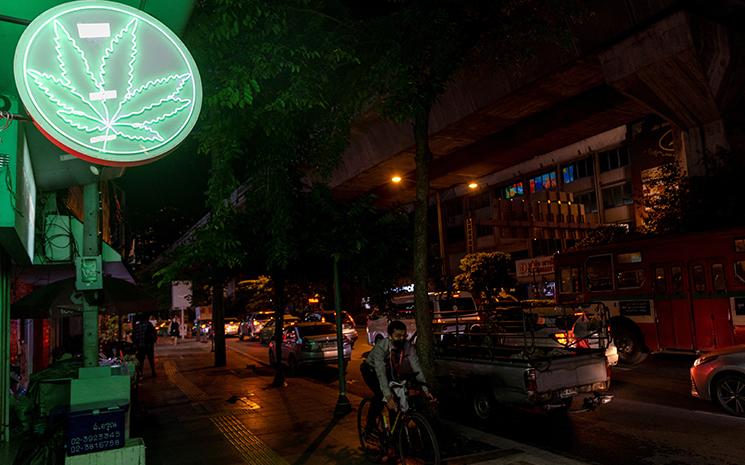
107	83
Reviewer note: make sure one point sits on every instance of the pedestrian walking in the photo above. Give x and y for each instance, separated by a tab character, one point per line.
175	330
144	337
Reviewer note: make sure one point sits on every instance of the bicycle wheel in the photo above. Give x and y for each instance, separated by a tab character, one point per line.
417	443
370	438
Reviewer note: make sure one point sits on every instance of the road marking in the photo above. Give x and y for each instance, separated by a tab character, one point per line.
646	405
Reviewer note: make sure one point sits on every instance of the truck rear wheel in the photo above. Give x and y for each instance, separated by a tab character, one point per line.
482	405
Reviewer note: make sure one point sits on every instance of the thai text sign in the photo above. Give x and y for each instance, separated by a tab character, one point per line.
537	266
94	431
107	82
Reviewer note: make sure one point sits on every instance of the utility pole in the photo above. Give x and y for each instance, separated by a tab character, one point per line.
89	277
343	406
4	346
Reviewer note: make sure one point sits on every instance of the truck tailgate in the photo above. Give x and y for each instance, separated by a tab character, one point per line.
569	372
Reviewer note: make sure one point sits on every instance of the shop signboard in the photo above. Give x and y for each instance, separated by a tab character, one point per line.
107	83
537	267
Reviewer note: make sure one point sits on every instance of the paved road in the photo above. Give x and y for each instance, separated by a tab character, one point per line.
652	420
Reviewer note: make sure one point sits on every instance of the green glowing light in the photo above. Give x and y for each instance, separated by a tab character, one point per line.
119	87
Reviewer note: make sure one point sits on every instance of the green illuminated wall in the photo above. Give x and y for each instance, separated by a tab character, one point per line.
17	191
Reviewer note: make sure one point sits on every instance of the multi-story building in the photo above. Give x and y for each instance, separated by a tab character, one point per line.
571	139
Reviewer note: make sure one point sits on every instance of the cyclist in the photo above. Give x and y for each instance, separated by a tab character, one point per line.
392	359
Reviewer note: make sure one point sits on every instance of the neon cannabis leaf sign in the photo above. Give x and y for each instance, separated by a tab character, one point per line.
107	82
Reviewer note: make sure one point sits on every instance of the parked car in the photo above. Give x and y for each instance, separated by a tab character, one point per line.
203	326
347	322
719	376
310	343
267	332
251	326
231	326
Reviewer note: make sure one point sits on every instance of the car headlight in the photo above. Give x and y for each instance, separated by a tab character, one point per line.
705	359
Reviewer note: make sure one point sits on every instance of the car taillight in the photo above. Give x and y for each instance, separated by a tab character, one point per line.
561	338
530	381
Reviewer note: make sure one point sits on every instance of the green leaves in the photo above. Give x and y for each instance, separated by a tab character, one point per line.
110	103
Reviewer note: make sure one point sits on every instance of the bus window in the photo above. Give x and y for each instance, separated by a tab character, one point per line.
699	278
677	277
717	273
630	279
599	273
739	245
569	280
660	285
740	270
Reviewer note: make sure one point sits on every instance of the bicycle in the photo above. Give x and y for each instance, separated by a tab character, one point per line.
408	432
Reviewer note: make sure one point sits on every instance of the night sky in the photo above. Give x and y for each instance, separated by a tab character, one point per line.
179	181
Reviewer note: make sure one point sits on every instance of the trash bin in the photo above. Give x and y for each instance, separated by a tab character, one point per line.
94	430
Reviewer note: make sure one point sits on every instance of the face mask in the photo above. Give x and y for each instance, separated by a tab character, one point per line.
399	344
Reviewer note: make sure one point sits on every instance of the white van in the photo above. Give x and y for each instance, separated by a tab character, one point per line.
450	310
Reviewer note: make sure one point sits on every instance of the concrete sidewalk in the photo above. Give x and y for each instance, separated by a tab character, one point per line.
195	414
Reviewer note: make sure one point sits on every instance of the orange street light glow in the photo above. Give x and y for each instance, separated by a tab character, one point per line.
472	185
396	179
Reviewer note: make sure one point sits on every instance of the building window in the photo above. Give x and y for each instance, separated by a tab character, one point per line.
617	196
543	182
599	273
513	191
613	159
483	230
479	201
454	208
455	234
577	170
588	199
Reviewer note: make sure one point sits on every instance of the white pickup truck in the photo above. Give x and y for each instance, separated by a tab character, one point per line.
548	370
449	309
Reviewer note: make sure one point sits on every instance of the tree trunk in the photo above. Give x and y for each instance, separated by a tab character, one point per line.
278	281
218	323
425	340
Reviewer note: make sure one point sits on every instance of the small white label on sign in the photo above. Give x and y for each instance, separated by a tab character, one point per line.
102	138
93	30
103	95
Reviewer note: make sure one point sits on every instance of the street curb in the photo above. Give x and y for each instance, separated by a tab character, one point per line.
252	357
525	454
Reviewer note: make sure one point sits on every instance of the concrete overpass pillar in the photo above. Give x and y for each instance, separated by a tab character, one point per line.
683	68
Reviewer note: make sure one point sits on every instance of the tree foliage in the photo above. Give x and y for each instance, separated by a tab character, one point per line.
678	203
485	274
417	48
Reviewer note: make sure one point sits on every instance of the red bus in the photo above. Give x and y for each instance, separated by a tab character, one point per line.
682	292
